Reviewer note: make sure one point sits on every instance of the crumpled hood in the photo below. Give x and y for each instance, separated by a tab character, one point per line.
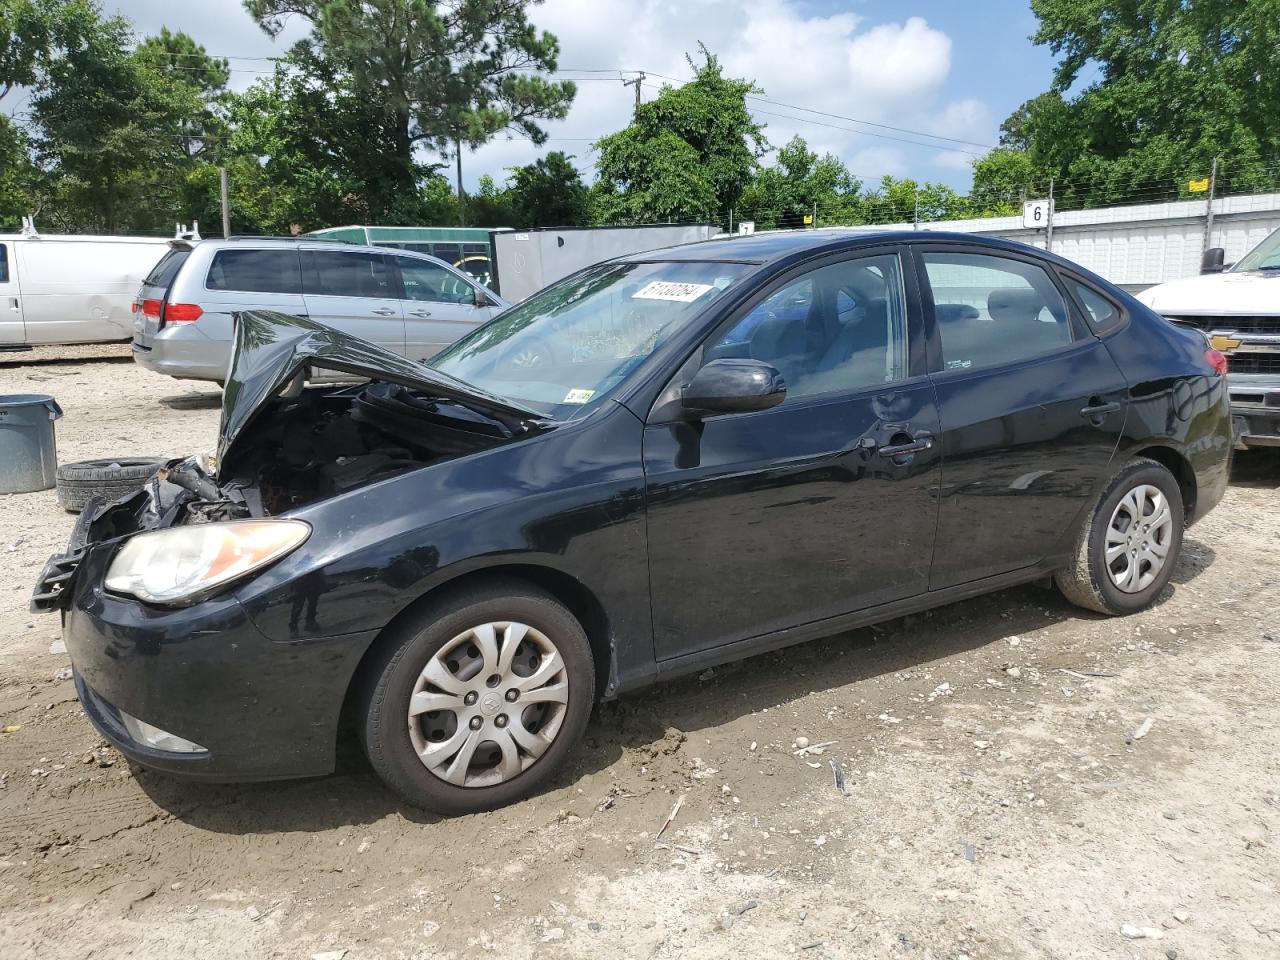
271	349
1219	294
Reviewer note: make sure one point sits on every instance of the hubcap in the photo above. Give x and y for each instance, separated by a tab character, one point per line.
472	732
1138	538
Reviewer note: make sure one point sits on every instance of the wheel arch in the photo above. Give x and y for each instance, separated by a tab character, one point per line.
564	587
1176	463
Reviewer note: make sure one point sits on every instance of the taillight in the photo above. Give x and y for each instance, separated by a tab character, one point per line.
1217	360
151	308
181	312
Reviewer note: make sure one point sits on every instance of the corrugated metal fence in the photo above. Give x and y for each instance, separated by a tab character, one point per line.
1141	245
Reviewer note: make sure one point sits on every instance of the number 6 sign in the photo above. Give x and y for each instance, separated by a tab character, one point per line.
1035	214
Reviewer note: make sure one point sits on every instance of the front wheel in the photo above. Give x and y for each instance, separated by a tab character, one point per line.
1129	544
476	701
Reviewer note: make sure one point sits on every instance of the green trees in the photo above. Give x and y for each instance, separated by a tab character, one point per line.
1174	85
549	192
449	76
688	155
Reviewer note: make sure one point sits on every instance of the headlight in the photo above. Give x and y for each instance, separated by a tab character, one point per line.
181	565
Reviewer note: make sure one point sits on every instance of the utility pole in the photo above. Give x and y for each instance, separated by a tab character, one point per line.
814	219
1208	212
635	83
462	197
226	205
731	219
1048	236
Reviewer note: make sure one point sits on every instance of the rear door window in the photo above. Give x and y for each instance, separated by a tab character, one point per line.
4	263
431	282
337	273
993	310
255	271
162	273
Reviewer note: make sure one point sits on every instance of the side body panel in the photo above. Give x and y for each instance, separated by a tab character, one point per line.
81	291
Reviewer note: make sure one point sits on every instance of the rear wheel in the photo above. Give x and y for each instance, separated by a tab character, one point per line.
1129	544
477	700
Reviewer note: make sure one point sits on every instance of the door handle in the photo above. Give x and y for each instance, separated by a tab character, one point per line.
419	313
918	445
1096	409
384	312
13	304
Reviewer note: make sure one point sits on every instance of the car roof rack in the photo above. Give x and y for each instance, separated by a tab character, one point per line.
251	236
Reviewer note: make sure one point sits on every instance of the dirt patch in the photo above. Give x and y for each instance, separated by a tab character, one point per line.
997	801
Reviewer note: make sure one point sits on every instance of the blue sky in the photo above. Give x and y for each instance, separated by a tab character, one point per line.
944	67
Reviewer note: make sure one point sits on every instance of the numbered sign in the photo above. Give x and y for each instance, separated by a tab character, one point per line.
1035	214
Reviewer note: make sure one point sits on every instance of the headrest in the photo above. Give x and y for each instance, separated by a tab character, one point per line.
1014	304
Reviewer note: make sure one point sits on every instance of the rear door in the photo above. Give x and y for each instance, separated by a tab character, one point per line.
12	330
1031	405
439	306
355	292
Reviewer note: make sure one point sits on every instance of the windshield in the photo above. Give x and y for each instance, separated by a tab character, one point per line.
569	345
1265	256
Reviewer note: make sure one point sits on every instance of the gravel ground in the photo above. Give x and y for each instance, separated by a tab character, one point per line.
999	801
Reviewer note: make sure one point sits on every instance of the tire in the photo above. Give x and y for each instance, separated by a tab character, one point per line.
387	732
108	479
1089	582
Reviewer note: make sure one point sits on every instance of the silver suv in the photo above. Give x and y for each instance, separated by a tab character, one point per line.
410	303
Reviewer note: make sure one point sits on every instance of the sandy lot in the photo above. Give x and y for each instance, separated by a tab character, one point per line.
998	803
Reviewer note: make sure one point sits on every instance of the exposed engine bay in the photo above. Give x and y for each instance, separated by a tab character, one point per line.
300	449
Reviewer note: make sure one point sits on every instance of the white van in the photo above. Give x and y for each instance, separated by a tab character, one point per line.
71	289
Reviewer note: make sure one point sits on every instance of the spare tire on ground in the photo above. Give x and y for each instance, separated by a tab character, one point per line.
109	479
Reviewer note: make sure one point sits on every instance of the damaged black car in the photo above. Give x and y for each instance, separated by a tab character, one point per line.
655	465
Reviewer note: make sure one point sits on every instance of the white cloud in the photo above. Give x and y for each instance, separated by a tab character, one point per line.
890	73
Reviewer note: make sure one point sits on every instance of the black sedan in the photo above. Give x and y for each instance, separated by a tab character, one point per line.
655	465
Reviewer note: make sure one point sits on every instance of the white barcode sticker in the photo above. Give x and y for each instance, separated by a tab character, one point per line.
671	290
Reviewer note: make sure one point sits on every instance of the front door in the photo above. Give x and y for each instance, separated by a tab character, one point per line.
12	330
356	293
439	307
765	520
1032	408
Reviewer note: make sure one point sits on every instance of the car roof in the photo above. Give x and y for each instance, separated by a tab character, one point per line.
770	247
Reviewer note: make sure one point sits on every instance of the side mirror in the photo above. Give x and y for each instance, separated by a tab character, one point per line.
733	385
1212	261
481	298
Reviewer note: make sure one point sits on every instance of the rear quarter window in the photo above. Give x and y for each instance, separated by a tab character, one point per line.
167	268
255	271
4	263
1103	315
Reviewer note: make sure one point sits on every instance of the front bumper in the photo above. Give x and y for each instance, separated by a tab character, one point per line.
263	709
1255	412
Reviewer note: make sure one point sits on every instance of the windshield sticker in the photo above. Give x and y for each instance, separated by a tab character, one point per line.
670	290
579	396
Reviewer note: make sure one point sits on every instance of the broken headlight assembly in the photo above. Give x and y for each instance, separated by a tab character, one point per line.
183	565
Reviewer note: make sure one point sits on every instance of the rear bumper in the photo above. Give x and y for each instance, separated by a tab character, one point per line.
201	359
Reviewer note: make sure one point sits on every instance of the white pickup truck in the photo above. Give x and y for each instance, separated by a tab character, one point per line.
1239	310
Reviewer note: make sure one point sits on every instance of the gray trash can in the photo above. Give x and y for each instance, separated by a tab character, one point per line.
28	451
